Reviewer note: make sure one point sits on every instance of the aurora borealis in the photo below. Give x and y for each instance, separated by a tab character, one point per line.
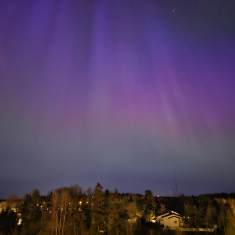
134	94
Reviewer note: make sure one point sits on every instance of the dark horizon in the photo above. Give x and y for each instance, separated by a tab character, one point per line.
92	187
133	94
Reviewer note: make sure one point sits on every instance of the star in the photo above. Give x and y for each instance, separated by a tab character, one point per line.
173	11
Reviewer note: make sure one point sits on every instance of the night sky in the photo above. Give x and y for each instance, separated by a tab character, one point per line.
135	94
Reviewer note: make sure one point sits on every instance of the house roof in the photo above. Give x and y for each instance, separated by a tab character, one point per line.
172	216
169	213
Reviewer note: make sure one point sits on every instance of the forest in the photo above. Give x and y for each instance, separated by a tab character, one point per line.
72	210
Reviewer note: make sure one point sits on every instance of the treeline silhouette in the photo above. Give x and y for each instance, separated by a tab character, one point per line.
70	210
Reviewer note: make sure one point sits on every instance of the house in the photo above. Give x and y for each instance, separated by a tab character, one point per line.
152	218
134	218
3	206
170	220
11	204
